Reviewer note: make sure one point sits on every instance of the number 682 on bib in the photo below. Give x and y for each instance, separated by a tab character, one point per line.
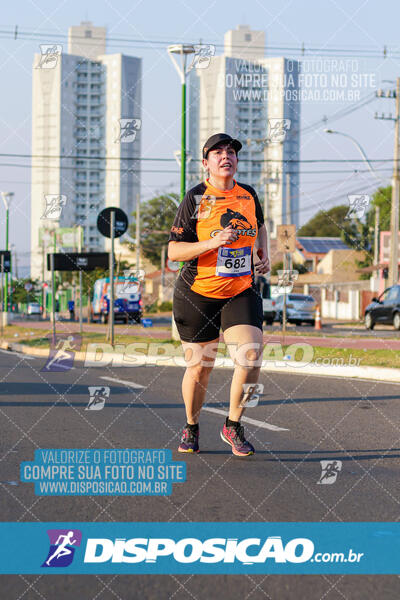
233	262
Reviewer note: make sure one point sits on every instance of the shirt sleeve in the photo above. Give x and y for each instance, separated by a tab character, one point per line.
184	226
259	212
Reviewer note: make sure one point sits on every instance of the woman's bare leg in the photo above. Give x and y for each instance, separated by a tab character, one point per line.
200	358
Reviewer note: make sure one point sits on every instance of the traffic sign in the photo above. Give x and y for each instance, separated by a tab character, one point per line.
28	286
78	261
286	238
104	222
6	261
172	265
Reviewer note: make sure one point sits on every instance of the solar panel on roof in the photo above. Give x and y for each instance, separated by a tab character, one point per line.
321	245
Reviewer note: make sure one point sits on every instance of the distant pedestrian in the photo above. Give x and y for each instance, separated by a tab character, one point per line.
71	308
57	310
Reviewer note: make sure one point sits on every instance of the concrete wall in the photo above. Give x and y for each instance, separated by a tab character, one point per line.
336	309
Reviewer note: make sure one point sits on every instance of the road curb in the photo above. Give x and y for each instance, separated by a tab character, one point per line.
136	360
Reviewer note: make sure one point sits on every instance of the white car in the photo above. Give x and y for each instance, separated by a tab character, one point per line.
300	308
33	308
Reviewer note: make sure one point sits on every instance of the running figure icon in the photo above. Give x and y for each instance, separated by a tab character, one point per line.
62	549
63	545
330	471
65	348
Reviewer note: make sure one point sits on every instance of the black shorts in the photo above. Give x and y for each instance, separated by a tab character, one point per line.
199	319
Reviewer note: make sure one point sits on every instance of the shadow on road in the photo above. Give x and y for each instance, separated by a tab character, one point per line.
344	455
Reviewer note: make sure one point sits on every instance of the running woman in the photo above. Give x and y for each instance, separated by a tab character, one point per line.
219	233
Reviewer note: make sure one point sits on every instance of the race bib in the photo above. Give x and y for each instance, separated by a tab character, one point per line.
233	262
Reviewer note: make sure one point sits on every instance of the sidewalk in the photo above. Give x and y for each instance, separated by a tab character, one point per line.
388	375
374	342
336	342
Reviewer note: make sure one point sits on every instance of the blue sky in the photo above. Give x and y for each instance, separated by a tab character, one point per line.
343	28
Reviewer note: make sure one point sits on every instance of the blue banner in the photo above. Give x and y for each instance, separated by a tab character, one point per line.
110	472
200	548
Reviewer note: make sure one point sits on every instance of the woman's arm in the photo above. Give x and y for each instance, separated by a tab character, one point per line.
261	239
261	250
184	251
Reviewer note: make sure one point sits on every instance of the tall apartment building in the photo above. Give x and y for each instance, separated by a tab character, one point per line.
85	151
253	98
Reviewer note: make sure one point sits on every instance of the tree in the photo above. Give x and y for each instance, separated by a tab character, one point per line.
20	294
332	223
279	267
89	278
382	198
357	233
156	218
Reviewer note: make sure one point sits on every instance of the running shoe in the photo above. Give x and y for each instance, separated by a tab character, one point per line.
189	440
234	436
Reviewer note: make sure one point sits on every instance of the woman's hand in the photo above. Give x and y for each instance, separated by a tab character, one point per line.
226	236
262	266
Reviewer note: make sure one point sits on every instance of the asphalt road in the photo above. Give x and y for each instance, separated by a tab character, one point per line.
356	422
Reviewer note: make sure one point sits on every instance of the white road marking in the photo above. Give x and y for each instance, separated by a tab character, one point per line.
262	424
131	384
19	354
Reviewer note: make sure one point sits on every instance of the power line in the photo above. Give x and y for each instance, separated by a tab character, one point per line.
304	50
336	198
177	172
344	112
142	158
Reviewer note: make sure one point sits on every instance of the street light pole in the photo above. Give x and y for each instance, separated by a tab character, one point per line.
183	50
394	216
7	197
183	142
362	152
394	194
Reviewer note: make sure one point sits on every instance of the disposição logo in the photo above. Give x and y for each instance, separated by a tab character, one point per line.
62	547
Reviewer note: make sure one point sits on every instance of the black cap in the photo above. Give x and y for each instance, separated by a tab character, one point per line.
220	138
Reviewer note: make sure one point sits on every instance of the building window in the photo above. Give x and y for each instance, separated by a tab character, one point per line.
247	37
88	33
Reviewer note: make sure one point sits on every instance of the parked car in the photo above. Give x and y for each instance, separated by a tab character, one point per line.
300	308
385	309
33	308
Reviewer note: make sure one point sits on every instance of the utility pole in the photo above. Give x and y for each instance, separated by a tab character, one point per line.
267	180
44	315
394	215
80	233
288	216
137	232
376	242
53	290
266	222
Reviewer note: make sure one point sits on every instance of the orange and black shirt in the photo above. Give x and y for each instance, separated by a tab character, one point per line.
203	213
